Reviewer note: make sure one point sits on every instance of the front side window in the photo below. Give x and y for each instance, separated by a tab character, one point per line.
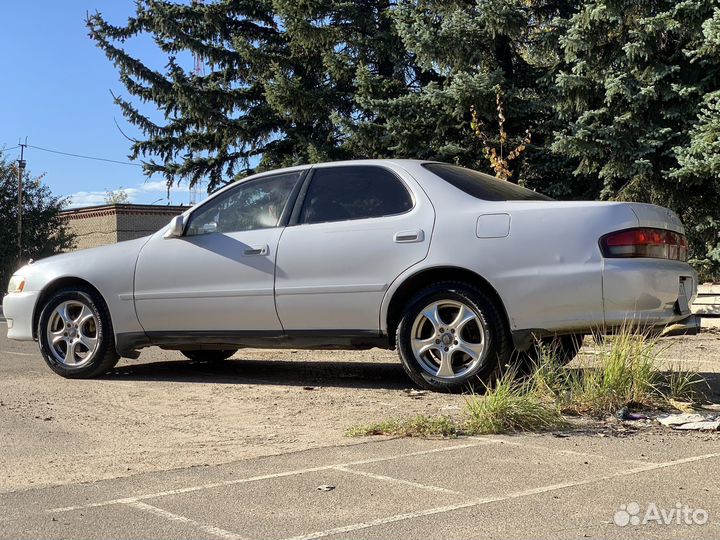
354	192
257	204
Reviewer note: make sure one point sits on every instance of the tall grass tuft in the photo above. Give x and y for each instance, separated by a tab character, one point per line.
510	405
623	373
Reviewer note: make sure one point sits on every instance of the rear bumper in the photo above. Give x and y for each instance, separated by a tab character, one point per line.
649	292
18	310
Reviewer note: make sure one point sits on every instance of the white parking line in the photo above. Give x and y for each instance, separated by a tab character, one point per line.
514	495
190	489
396	480
563	452
215	531
18	353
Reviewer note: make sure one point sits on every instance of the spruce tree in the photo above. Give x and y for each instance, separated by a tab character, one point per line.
279	86
460	56
629	91
697	186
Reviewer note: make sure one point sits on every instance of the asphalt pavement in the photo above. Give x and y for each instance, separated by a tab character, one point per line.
653	483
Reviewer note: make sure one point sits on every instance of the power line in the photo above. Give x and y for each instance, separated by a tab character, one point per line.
84	157
8	149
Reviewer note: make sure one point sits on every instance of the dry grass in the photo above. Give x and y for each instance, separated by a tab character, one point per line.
420	426
624	372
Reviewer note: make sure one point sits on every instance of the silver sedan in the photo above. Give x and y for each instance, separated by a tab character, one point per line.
459	271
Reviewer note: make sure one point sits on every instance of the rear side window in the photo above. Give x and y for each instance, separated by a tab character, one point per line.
483	186
354	192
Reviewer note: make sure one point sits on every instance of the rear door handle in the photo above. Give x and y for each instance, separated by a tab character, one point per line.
406	237
256	250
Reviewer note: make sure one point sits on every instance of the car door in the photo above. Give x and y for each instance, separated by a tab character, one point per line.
217	278
354	230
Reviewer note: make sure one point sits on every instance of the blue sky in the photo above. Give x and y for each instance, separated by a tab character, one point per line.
56	91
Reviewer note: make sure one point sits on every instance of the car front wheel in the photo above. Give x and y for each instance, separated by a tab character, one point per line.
452	337
75	334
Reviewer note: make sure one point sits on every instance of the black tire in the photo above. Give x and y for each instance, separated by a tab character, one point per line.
496	352
209	355
104	356
563	349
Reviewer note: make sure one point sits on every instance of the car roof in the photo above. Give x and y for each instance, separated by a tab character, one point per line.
348	162
398	162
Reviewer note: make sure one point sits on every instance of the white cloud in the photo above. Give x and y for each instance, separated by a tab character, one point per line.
145	193
86	198
157	187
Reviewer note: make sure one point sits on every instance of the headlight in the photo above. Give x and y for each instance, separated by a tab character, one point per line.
17	284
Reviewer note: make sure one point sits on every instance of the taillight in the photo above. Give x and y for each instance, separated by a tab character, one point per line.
645	242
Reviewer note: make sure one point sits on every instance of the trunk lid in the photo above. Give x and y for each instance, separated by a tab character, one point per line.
649	215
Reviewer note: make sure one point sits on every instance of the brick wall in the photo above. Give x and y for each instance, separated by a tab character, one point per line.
99	225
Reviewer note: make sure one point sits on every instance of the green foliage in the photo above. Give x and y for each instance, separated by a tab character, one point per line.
633	78
281	77
44	233
621	97
625	370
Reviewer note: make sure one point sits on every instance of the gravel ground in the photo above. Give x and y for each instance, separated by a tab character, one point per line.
161	412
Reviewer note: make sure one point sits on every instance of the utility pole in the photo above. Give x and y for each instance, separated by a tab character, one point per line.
21	170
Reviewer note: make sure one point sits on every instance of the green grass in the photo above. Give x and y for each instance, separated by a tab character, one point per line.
624	371
510	405
682	384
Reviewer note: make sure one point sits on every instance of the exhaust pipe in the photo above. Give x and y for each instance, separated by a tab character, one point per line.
689	326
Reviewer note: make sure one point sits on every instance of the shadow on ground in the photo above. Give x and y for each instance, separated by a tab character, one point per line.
271	372
383	375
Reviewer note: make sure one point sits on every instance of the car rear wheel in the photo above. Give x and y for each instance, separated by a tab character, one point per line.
75	334
209	355
452	337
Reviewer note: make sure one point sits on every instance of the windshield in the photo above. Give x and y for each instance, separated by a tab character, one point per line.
483	186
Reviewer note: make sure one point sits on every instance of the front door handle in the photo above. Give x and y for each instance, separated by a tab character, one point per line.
406	237
256	250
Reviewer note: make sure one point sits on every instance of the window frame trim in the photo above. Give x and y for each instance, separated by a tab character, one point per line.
284	215
300	201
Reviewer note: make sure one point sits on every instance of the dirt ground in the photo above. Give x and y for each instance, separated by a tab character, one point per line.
162	412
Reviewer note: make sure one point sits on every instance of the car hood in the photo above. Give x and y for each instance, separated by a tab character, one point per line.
93	255
85	264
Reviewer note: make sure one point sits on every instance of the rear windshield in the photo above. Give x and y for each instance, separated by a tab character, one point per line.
483	186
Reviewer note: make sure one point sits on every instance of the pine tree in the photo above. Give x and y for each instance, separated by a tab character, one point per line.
279	88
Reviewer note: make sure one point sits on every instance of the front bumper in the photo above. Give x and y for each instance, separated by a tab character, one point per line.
18	309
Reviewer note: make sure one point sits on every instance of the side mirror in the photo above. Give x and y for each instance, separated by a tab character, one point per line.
175	229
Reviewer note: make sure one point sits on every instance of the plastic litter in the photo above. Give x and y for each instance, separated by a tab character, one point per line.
673	420
625	414
701	426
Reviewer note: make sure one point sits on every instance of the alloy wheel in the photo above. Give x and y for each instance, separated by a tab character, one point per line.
448	339
72	333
